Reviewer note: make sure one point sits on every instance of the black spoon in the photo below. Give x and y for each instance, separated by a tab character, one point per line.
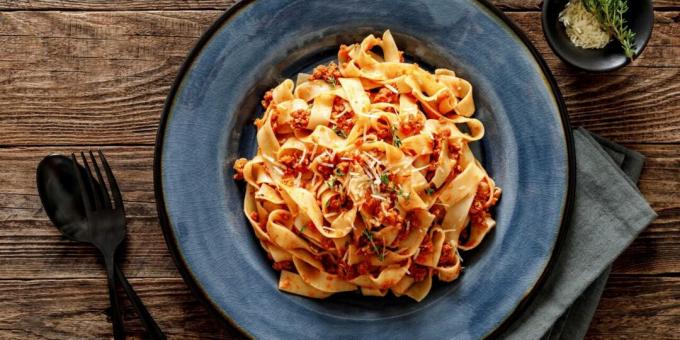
61	198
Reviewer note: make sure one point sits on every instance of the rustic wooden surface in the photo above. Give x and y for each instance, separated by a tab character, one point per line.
80	74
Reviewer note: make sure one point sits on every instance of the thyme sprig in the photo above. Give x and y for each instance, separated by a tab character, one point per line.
396	141
379	254
338	131
384	178
610	15
332	81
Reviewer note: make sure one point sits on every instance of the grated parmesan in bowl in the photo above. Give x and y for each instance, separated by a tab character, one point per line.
582	26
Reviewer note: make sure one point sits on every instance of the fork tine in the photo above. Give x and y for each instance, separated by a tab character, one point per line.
115	192
90	180
83	190
102	187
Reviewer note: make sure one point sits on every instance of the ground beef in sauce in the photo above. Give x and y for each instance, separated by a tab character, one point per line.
448	256
325	170
392	217
481	204
364	268
300	119
293	164
410	221
417	272
426	248
340	105
283	265
372	205
346	271
329	264
267	99
438	211
328	73
343	115
383	130
336	202
327	243
412	124
238	168
384	95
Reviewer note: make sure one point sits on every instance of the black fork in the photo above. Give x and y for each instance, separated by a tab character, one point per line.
96	191
106	222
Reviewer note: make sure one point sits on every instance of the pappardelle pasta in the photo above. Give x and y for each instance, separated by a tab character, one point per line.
364	180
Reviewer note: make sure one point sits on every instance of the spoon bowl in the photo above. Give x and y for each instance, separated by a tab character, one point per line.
60	195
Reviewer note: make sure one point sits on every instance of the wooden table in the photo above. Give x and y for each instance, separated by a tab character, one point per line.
80	74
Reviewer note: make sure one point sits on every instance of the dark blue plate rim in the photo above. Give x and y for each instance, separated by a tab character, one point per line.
173	243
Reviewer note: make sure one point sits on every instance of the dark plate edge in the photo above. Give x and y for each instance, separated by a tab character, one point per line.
571	175
172	241
168	234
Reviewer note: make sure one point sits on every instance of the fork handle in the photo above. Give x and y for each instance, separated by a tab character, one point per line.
152	329
116	317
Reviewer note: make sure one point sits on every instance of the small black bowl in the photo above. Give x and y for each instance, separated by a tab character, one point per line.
640	18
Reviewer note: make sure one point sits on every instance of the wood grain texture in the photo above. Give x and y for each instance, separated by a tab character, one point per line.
638	308
103	76
77	309
76	79
69	78
139	5
70	308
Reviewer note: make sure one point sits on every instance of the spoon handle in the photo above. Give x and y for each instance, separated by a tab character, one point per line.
152	329
118	326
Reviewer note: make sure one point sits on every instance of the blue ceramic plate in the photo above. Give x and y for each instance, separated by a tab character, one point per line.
207	124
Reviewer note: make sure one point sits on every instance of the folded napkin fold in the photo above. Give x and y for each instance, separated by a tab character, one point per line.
609	212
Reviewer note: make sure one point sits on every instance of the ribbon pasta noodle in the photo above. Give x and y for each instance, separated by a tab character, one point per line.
364	180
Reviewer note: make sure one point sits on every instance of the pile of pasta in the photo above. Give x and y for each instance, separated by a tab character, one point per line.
364	180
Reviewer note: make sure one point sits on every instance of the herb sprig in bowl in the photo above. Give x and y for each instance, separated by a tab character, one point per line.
610	14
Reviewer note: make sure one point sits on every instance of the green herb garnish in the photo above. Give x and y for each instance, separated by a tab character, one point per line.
396	141
385	179
429	191
339	172
302	230
331	80
610	15
369	237
330	181
338	131
405	195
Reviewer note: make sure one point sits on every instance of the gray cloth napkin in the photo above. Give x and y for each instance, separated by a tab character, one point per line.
609	212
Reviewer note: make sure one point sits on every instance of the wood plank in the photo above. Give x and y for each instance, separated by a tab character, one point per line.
70	308
71	78
636	308
30	247
653	251
102	77
74	308
119	5
139	5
